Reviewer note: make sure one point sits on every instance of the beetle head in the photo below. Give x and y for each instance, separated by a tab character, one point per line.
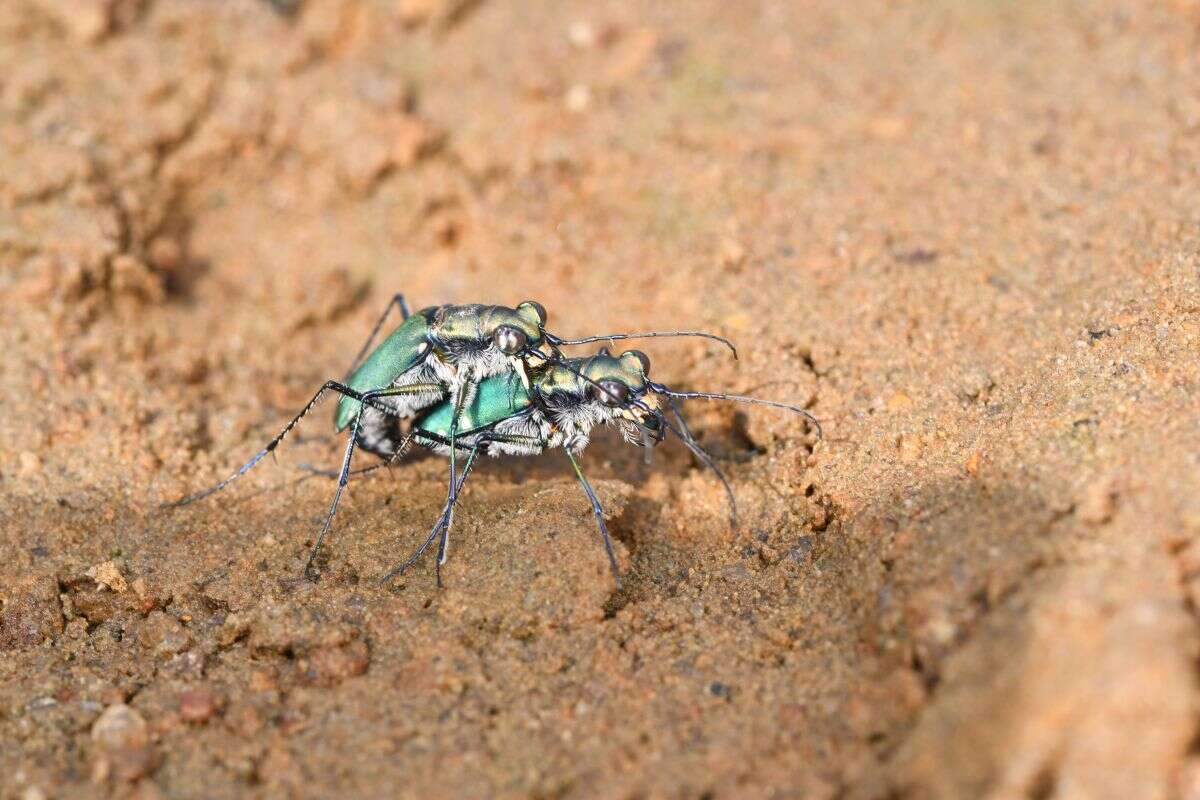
515	331
618	385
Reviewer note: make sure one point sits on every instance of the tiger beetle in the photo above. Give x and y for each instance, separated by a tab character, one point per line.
438	355
564	401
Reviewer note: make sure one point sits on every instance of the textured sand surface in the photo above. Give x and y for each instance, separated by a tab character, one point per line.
965	234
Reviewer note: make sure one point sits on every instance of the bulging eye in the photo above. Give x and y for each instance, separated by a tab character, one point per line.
641	357
538	309
613	393
509	340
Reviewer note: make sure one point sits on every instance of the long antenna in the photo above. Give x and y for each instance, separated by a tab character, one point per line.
612	337
658	387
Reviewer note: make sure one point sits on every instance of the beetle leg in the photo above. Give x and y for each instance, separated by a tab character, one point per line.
344	475
459	402
599	513
334	386
397	301
446	519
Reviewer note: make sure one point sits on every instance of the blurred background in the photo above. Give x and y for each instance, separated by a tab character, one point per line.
963	233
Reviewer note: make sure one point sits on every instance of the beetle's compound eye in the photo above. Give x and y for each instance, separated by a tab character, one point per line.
509	340
537	308
613	393
641	357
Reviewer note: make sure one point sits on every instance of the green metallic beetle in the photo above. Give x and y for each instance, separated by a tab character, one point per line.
433	352
564	402
439	354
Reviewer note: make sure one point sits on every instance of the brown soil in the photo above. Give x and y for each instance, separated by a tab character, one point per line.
965	234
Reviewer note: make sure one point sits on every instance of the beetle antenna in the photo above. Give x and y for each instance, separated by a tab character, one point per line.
397	301
685	435
659	388
612	337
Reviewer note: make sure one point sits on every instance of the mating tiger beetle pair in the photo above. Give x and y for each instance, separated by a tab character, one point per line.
465	379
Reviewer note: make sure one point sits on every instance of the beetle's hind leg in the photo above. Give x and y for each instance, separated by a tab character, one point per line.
329	386
398	302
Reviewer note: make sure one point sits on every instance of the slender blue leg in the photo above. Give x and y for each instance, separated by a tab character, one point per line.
447	516
329	386
344	475
397	301
459	402
599	513
442	522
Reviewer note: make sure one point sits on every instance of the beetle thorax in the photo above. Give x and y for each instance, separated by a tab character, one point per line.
573	423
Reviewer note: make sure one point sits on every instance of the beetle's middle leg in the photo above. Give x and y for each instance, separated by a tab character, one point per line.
344	474
447	516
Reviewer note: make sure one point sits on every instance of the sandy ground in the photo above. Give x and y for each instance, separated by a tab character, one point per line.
964	234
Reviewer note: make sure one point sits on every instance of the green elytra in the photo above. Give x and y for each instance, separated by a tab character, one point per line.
443	342
394	356
497	399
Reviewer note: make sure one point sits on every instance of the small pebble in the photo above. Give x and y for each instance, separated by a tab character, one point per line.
163	635
31	465
910	447
198	705
582	34
123	748
975	384
109	576
331	665
800	552
721	690
733	253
